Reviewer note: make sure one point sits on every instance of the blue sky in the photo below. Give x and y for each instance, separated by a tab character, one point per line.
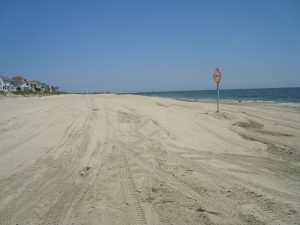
151	45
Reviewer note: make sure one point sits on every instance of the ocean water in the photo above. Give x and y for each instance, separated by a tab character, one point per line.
276	95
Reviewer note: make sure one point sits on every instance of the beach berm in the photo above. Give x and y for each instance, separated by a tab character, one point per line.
128	159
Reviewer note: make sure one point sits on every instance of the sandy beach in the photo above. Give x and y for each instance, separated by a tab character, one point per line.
135	160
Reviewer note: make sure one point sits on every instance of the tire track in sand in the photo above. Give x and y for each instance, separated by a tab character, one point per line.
271	216
134	211
61	172
68	203
216	202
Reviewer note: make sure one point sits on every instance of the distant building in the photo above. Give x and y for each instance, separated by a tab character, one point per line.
54	89
5	83
45	87
35	85
20	84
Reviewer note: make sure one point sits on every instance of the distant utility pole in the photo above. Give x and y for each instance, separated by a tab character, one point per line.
217	78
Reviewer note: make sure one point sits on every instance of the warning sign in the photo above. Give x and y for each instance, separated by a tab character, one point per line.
217	76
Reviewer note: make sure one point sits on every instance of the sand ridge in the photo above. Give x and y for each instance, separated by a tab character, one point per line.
127	159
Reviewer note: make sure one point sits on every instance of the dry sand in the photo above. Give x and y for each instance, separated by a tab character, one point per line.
125	159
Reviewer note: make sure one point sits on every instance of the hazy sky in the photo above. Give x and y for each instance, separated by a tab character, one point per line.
151	45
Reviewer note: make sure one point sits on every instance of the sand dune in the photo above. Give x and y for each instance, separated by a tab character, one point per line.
125	159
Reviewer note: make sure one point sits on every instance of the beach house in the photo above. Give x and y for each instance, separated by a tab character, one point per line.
54	88
45	87
5	83
20	84
34	85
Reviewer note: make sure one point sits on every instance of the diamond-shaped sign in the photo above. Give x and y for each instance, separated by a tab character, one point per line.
217	76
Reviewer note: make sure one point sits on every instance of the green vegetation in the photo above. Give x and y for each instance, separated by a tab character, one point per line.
31	94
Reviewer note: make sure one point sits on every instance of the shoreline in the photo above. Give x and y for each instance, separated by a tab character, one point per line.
211	101
202	100
265	95
230	101
226	101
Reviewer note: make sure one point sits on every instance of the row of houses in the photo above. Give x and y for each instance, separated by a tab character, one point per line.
18	83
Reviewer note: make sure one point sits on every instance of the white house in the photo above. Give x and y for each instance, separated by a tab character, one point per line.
34	85
20	84
5	83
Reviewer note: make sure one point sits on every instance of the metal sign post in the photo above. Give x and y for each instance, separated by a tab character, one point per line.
218	97
217	78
